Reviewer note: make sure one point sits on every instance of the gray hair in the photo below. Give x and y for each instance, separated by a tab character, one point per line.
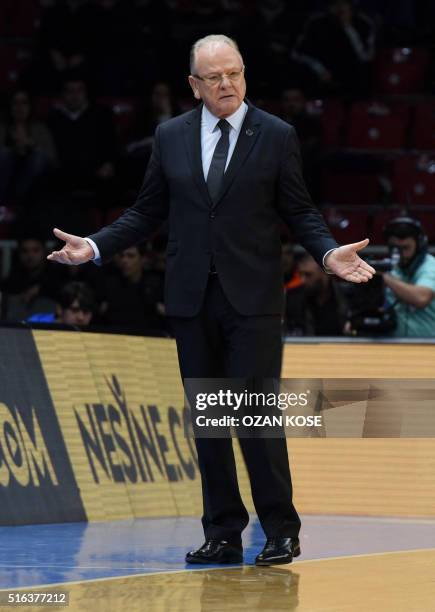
211	38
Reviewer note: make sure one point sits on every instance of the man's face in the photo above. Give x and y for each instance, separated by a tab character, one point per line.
131	262
76	315
32	254
407	246
224	97
75	95
311	275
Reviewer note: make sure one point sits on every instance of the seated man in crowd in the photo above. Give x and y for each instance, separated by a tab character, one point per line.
86	141
338	46
76	306
293	110
27	152
411	284
32	285
131	298
324	306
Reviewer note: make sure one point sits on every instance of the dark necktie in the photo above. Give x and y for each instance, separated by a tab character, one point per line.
217	167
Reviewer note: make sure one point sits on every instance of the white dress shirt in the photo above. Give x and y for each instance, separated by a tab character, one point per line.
210	135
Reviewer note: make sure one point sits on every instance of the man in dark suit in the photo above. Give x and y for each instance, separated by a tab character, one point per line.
224	174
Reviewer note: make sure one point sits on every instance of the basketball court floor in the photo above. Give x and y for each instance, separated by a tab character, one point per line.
347	564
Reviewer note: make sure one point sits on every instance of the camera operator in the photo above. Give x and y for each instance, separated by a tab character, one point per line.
411	283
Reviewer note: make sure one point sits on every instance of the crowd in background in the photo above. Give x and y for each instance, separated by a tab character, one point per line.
78	118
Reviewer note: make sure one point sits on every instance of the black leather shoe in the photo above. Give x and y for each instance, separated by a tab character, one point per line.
216	551
278	551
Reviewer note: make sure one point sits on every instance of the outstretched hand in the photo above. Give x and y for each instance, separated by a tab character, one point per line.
75	251
348	265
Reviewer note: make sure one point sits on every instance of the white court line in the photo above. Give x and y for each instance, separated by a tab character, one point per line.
336	518
229	567
78	567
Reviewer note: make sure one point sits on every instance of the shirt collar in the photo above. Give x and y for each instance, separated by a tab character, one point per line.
235	120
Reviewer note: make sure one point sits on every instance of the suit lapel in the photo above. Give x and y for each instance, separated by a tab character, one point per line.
248	135
192	137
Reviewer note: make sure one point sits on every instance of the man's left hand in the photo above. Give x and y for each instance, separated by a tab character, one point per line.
348	265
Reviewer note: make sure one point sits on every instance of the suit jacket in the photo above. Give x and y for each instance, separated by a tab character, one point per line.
262	186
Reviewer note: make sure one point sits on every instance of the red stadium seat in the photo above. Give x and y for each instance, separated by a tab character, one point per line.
124	113
423	134
346	224
331	115
375	125
400	70
413	180
427	219
379	220
350	188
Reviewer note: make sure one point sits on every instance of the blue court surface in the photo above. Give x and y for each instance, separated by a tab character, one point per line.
34	555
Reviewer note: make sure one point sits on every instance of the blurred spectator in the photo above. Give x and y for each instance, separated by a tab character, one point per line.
411	284
154	18
402	22
294	316
87	273
293	110
338	46
86	140
32	285
61	45
115	48
75	306
131	302
290	273
189	23
309	131
325	307
27	151
267	37
158	106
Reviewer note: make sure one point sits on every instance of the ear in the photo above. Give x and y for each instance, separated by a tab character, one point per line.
192	83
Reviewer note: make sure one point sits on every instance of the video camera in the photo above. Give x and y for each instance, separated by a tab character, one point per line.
369	313
387	263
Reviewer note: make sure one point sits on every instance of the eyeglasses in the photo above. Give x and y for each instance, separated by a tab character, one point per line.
216	79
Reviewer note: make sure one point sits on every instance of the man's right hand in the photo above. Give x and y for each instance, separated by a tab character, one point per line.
76	250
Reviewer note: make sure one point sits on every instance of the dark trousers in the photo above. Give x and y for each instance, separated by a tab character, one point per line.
219	343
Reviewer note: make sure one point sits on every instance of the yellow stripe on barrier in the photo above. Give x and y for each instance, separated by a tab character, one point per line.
119	401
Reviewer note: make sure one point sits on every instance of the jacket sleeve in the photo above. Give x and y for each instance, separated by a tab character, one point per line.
295	206
141	220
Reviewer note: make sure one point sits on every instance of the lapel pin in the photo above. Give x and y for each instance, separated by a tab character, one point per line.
249	132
